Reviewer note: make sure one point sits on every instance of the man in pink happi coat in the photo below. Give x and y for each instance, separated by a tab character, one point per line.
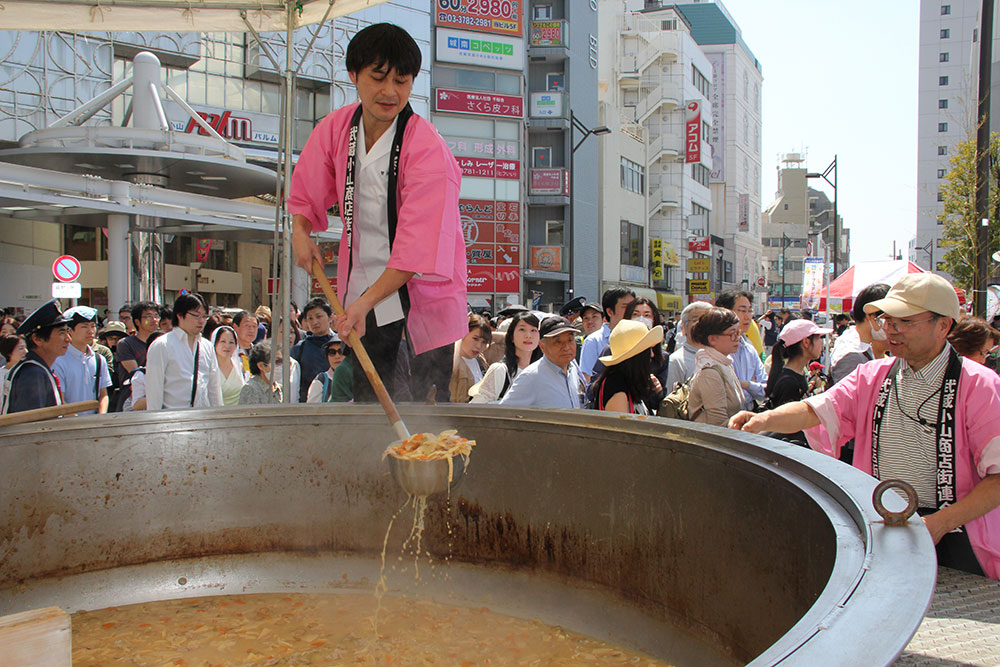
928	417
401	265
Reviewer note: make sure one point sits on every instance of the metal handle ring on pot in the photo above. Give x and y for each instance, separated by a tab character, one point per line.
895	518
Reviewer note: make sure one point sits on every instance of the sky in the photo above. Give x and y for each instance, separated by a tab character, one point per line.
841	79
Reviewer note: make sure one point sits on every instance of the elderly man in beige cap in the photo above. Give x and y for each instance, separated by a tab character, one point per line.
927	417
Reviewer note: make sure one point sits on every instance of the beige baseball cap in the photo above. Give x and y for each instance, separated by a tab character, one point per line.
917	293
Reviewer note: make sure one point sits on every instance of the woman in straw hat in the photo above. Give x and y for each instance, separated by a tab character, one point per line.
627	377
715	390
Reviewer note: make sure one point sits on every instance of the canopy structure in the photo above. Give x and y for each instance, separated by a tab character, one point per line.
839	296
171	15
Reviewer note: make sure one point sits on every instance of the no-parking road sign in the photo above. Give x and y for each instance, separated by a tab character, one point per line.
66	268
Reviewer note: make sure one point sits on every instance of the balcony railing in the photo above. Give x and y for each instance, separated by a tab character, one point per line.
651	99
665	146
664	196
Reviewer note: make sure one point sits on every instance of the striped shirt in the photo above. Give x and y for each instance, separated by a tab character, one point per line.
907	450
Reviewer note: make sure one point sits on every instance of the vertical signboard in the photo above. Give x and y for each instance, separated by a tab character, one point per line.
656	258
717	136
692	133
492	231
744	212
812	282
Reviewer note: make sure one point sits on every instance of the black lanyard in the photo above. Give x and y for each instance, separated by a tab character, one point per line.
347	210
945	426
194	376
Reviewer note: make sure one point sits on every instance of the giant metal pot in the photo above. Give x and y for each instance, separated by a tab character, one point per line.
695	544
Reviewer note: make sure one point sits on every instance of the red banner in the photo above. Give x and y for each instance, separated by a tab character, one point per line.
508	255
507	232
479	253
699	243
507	279
481	280
483	104
509	211
492	233
510	169
486	168
692	133
201	249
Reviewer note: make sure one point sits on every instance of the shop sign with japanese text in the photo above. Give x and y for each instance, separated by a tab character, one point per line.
502	17
483	104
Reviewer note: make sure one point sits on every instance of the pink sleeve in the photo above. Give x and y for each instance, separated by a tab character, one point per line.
837	411
982	399
429	222
313	189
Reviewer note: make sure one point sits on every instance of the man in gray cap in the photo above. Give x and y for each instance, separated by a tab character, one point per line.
31	382
925	416
554	380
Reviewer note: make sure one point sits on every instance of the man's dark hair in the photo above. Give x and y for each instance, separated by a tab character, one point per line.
611	297
8	342
240	316
866	296
141	307
727	298
166	313
43	334
184	304
126	308
318	302
383	44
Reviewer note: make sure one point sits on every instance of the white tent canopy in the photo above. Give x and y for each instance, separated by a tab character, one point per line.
168	15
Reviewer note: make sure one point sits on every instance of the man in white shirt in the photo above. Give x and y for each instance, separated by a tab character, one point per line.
614	302
181	371
83	374
554	380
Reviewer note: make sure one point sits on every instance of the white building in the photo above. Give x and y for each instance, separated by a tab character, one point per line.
651	70
948	82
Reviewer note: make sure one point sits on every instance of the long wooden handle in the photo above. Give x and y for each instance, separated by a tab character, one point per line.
362	355
38	414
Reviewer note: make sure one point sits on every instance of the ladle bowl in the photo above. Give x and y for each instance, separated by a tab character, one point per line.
425	478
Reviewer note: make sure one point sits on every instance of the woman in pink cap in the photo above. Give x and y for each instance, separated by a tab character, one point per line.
799	343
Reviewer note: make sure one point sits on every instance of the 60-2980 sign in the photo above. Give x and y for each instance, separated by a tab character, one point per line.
497	16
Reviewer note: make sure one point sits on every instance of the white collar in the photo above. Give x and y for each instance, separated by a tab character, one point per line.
382	145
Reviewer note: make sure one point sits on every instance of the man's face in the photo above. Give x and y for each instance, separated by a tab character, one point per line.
83	334
561	349
125	317
316	322
55	346
917	338
383	93
693	320
193	321
743	311
592	321
619	311
247	331
148	322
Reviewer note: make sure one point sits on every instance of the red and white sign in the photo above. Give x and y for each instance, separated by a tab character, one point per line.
547	258
549	182
226	124
508	279
692	133
201	249
482	279
498	16
762	282
486	168
492	247
483	104
318	289
699	243
66	268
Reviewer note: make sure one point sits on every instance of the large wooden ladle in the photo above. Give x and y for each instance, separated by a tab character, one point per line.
362	356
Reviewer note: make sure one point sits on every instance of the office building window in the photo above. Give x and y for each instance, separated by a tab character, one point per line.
943	57
940	173
942	104
942	127
942	150
945	33
700	173
633	176
699	81
945	10
668	24
554	232
542	12
942	81
940	197
631	244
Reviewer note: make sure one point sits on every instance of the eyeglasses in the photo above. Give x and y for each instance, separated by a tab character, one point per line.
197	316
896	324
334	351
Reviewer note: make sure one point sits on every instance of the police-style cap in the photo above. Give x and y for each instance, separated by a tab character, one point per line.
80	315
46	317
573	306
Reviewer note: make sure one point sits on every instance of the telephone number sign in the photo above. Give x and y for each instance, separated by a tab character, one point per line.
497	16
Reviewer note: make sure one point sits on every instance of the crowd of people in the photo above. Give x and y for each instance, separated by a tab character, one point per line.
902	386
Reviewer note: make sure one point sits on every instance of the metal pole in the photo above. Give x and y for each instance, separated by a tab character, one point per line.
836	223
286	236
783	263
568	225
983	159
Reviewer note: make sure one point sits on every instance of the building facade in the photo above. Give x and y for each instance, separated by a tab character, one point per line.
947	104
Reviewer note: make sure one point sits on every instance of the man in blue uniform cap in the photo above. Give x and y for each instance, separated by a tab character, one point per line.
32	384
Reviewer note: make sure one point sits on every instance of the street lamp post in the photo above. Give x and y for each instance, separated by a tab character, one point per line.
785	241
569	226
929	249
826	174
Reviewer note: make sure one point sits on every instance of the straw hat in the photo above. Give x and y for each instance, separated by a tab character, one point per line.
629	338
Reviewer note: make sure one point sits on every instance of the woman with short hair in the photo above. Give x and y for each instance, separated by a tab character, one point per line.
715	394
259	390
974	339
